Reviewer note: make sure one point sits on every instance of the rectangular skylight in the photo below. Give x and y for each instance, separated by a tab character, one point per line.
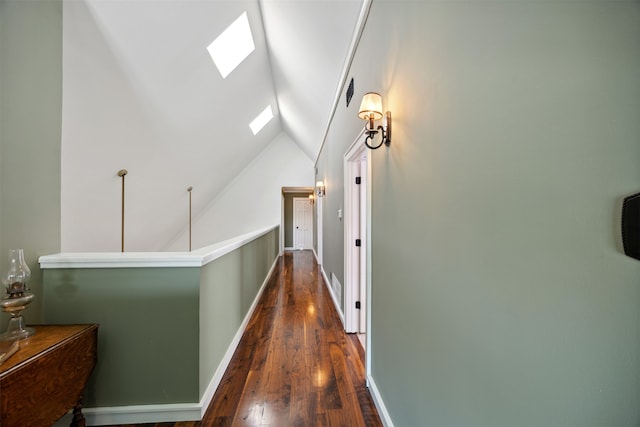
259	122
231	47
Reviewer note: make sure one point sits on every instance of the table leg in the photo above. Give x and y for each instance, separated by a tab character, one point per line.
78	418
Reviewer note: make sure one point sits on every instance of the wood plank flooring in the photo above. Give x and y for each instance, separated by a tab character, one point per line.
294	366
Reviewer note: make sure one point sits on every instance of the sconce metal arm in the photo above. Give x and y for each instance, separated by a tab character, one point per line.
385	133
371	133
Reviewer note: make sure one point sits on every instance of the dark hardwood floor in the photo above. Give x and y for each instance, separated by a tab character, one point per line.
294	366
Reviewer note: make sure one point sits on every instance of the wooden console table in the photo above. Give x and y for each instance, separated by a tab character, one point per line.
46	377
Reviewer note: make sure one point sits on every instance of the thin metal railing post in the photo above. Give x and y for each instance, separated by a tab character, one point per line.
122	173
189	190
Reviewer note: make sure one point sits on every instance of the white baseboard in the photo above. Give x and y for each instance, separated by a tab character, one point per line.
327	283
224	364
377	400
141	414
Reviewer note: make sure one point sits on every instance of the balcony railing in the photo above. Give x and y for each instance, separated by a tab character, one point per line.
169	321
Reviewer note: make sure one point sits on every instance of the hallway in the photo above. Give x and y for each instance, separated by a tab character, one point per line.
294	366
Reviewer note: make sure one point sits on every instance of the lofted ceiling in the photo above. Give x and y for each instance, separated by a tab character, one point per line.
301	47
141	92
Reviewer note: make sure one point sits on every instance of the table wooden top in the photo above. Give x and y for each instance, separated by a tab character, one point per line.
46	338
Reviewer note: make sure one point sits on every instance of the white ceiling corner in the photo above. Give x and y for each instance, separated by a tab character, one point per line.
309	43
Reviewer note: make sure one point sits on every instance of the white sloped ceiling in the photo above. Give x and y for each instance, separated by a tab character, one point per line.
141	93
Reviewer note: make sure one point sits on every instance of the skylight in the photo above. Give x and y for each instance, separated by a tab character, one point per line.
231	47
259	122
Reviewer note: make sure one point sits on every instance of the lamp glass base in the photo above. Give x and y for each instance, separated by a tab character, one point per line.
16	330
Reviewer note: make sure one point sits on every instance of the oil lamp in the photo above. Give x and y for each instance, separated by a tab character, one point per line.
17	297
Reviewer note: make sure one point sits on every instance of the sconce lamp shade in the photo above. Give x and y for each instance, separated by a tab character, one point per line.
371	106
370	111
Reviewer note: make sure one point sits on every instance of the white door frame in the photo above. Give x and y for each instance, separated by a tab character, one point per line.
281	222
308	241
283	192
353	257
318	200
354	273
363	221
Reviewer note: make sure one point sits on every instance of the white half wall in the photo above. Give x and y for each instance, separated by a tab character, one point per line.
253	199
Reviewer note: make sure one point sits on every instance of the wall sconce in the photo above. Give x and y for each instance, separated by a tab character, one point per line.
312	199
371	110
320	187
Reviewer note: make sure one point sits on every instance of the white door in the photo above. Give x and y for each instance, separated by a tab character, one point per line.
357	169
356	242
362	224
302	223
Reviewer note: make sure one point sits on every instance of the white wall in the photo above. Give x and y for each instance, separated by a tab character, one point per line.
253	199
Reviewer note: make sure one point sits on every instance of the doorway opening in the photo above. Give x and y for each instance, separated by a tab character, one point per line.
357	170
296	229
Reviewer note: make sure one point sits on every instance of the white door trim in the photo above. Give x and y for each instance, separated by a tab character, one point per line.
319	227
352	231
351	170
351	165
363	221
281	222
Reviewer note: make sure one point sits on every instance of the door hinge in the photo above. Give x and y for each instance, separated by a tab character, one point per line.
358	180
358	305
358	242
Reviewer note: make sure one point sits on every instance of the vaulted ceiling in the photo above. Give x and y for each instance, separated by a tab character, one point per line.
301	46
141	92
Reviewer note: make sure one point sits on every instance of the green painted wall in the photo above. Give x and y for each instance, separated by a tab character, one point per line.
163	331
30	123
229	286
331	172
148	336
501	296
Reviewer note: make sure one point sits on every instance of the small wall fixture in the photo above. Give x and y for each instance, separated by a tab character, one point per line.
320	187
312	199
371	110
